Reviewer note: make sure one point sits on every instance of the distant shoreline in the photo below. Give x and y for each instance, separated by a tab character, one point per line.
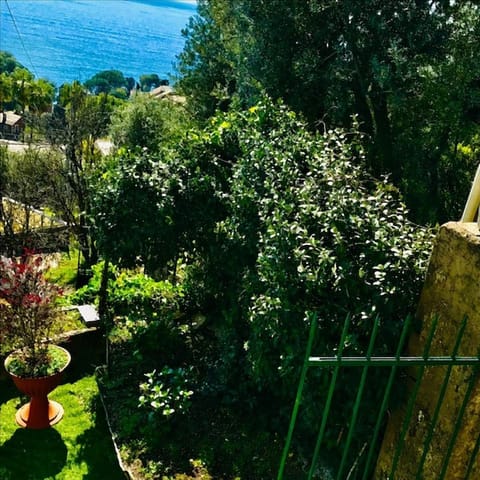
77	39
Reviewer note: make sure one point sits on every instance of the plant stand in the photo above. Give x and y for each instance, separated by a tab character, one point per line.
40	412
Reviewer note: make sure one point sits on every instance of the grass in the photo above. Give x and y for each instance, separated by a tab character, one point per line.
79	447
63	271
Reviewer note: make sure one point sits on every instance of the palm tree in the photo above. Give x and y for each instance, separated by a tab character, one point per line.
5	90
42	94
22	86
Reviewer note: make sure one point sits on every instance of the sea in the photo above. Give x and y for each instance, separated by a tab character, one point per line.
67	40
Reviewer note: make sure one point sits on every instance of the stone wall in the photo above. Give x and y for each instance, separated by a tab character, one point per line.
451	291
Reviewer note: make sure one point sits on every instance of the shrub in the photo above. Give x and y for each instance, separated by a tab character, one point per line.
27	302
166	392
306	230
291	224
131	292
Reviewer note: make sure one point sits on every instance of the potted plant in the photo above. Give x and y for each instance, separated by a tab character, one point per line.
27	312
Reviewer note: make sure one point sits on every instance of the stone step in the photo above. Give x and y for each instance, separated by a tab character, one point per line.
89	315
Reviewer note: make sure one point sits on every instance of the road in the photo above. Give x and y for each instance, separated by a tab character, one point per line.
105	146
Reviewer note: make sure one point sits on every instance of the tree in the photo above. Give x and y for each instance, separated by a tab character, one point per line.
274	223
147	122
207	66
107	81
30	183
42	94
20	90
74	126
8	63
5	90
130	81
149	82
22	81
380	61
439	122
5	219
130	207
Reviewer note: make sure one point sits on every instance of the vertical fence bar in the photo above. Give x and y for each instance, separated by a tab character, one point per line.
458	422
386	397
441	396
473	456
328	402
411	403
358	399
298	398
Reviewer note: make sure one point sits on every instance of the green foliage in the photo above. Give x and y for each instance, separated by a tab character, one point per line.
200	472
274	222
166	392
32	177
64	272
149	208
131	293
88	293
149	82
290	224
8	63
206	66
107	81
408	70
457	170
132	207
139	292
55	361
145	314
74	126
20	91
307	230
146	122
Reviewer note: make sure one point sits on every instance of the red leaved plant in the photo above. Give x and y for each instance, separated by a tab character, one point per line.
27	309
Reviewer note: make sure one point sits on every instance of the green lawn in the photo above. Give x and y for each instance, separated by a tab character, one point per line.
79	447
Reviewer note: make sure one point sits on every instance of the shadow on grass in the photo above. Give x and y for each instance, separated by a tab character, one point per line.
96	449
77	448
32	454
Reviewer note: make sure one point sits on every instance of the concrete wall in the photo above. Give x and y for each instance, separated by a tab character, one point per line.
451	290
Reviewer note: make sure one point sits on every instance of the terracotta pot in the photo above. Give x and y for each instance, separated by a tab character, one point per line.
40	412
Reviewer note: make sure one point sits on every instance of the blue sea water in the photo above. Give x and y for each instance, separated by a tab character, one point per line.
66	40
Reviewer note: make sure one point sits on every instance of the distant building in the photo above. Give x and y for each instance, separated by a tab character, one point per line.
166	91
11	125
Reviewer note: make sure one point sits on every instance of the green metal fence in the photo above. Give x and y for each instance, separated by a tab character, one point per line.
350	465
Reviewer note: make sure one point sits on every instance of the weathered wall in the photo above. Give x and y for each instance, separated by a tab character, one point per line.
451	290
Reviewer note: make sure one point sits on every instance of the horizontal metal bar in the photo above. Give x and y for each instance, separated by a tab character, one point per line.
391	361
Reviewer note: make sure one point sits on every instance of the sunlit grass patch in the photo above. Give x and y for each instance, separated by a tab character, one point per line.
79	447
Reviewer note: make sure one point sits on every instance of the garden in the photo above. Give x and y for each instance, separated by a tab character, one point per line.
233	239
307	184
215	255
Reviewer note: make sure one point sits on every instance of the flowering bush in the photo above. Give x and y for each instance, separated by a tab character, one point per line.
26	309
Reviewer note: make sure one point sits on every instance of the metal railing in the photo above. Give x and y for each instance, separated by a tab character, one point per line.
334	365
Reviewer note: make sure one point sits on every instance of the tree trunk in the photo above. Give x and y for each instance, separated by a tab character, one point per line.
383	155
103	292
